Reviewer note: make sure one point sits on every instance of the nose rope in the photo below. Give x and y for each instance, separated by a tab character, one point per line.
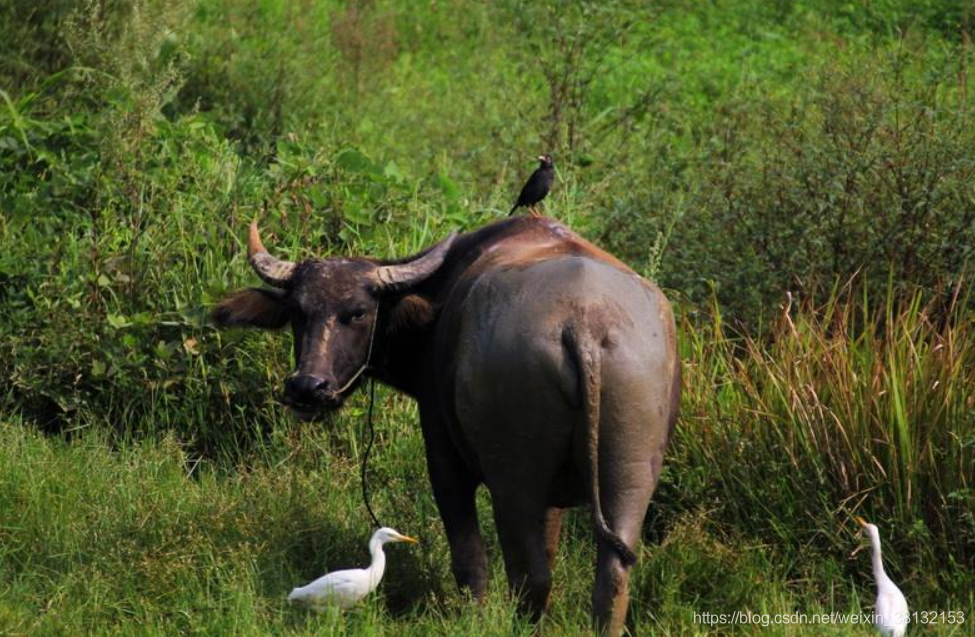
365	366
365	455
372	431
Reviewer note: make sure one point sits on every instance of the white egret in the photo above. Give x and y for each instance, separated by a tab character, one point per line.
891	614
345	588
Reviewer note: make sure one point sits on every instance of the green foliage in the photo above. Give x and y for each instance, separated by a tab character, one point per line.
732	150
31	41
869	170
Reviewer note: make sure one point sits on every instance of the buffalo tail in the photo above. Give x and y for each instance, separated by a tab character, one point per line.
588	359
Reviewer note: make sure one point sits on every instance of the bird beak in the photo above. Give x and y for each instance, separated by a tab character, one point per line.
541	158
861	522
407	538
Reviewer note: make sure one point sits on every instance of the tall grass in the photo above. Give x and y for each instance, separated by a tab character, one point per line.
857	406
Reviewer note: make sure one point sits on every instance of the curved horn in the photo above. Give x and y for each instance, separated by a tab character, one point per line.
273	271
393	278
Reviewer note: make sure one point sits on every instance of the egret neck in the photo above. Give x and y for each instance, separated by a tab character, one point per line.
879	575
378	565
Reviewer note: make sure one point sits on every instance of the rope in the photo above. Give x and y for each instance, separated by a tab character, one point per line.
365	456
372	431
365	366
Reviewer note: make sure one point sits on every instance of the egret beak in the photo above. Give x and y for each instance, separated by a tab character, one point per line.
407	538
861	522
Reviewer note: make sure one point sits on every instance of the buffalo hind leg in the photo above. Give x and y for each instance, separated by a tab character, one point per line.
524	546
611	594
624	508
454	489
468	555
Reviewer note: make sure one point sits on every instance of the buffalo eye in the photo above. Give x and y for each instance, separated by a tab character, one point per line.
355	316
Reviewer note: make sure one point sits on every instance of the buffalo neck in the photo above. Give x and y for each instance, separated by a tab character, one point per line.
399	356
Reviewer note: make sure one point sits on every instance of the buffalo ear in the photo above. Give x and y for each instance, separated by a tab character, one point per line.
253	307
411	312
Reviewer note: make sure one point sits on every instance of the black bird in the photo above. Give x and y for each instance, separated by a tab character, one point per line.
537	186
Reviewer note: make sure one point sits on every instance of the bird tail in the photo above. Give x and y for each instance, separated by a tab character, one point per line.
513	210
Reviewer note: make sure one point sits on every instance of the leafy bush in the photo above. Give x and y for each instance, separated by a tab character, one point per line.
868	169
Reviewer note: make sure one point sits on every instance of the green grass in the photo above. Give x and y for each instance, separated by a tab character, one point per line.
142	537
732	150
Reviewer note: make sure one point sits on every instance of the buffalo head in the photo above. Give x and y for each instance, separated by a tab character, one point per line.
333	308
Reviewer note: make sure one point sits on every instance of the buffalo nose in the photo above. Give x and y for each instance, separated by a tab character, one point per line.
304	387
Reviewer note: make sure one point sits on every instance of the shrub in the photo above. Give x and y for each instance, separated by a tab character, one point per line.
868	169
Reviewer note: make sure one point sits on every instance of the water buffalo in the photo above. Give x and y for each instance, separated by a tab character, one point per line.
543	368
